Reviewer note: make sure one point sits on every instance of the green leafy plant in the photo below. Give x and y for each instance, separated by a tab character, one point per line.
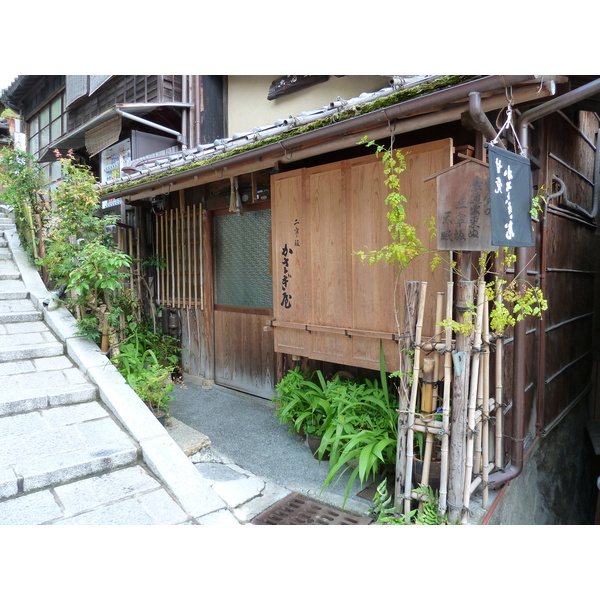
384	513
149	377
301	401
21	186
406	244
73	224
362	434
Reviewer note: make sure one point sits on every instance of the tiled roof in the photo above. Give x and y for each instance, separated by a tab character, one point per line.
157	165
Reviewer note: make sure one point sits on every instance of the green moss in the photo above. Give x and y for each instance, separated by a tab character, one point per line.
368	107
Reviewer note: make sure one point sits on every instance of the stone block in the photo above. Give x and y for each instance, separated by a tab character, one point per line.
239	491
85	354
170	464
66	415
33	509
219	517
92	492
54	470
9	485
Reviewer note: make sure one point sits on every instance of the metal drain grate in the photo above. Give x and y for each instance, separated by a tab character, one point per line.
298	510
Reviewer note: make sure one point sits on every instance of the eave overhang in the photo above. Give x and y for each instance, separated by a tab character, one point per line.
191	168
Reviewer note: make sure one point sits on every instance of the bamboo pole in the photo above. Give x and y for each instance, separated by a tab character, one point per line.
439	310
477	435
411	296
182	247
197	228
427	404
413	398
442	505
189	253
130	252
159	272
474	388
177	257
434	427
498	453
139	265
433	347
165	222
485	408
172	244
456	475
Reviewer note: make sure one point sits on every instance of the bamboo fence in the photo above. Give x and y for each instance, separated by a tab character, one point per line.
484	423
179	243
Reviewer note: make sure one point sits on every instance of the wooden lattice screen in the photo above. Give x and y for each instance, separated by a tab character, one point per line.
179	243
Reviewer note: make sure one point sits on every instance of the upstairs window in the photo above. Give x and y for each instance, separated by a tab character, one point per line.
46	126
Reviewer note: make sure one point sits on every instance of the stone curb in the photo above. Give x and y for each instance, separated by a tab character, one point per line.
162	455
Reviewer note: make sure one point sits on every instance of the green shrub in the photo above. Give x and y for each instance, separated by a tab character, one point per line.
357	421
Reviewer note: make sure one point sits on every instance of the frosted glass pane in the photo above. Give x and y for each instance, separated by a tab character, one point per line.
242	259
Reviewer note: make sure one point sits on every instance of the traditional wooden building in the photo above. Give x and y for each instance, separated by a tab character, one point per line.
260	230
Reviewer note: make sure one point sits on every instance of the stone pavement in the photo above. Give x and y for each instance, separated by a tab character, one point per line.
78	446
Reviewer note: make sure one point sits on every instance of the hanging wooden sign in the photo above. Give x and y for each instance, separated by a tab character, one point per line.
510	193
463	210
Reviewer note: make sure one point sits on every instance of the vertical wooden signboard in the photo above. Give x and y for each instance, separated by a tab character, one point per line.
328	304
463	212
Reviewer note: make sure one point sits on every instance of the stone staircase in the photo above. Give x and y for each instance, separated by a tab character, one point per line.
65	457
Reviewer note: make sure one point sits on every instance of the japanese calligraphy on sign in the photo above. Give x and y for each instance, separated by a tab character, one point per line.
286	297
510	196
463	218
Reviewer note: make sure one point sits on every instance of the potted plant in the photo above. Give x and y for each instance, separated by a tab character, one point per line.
303	402
363	430
362	438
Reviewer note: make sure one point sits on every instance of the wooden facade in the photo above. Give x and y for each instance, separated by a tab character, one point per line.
329	305
126	89
330	310
566	264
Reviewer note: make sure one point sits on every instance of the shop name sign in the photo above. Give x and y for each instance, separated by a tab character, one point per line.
510	198
485	206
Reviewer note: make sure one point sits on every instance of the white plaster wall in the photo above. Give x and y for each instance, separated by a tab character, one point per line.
248	106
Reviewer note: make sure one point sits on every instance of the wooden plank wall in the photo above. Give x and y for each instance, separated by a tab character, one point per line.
193	357
328	304
571	251
244	356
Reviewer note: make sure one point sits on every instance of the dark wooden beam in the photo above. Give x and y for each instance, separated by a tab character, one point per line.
288	84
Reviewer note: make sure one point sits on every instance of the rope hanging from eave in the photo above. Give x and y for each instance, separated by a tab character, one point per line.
235	202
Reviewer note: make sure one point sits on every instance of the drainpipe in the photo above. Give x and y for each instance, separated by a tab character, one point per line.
197	110
516	466
186	111
479	120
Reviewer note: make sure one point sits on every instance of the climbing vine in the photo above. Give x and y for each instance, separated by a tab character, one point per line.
406	244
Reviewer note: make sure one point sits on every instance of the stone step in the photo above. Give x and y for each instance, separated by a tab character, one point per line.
5	254
30	384
125	496
9	272
54	446
13	289
18	311
27	340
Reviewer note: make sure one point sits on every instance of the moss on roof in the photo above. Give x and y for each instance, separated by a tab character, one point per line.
354	111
